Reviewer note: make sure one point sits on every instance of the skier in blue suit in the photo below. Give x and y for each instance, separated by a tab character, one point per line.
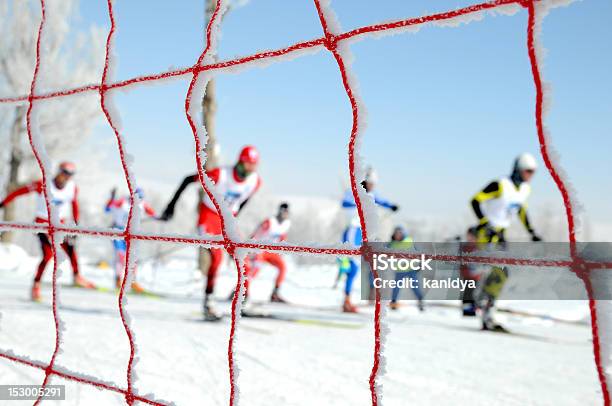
353	236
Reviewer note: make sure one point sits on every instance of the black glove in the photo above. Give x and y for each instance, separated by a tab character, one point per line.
1	205
167	214
394	207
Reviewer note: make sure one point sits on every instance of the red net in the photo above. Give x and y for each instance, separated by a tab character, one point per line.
331	41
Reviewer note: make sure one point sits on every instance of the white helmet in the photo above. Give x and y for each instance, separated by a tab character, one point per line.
371	175
525	162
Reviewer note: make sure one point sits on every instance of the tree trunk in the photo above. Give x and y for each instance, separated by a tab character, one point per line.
15	162
209	106
209	109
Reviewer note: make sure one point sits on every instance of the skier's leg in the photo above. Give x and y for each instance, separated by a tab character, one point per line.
495	281
68	247
350	277
486	304
276	261
210	223
416	289
249	273
343	267
351	235
70	250
253	266
491	289
47	254
416	286
468	273
216	258
468	304
120	267
348	287
396	291
492	284
136	287
120	248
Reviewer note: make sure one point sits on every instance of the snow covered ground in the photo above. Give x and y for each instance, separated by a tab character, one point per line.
324	358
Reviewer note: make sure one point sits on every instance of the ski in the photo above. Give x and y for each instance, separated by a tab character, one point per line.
300	320
199	317
103	289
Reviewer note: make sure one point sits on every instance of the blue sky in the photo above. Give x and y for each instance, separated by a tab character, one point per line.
448	108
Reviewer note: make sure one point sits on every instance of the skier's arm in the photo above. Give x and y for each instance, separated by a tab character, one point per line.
491	191
75	206
248	198
168	212
348	202
385	203
242	205
261	228
525	220
111	201
23	190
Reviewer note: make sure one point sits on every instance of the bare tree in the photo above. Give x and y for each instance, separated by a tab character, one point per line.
70	59
209	104
209	109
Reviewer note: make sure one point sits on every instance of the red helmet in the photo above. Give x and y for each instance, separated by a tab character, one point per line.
67	167
249	154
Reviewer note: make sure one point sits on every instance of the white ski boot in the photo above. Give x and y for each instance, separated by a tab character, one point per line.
209	312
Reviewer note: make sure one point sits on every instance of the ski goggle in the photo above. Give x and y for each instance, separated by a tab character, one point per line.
67	172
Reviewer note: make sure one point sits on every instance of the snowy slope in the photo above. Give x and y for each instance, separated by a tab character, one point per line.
433	358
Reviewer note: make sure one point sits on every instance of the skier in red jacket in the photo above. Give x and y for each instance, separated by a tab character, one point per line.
63	197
